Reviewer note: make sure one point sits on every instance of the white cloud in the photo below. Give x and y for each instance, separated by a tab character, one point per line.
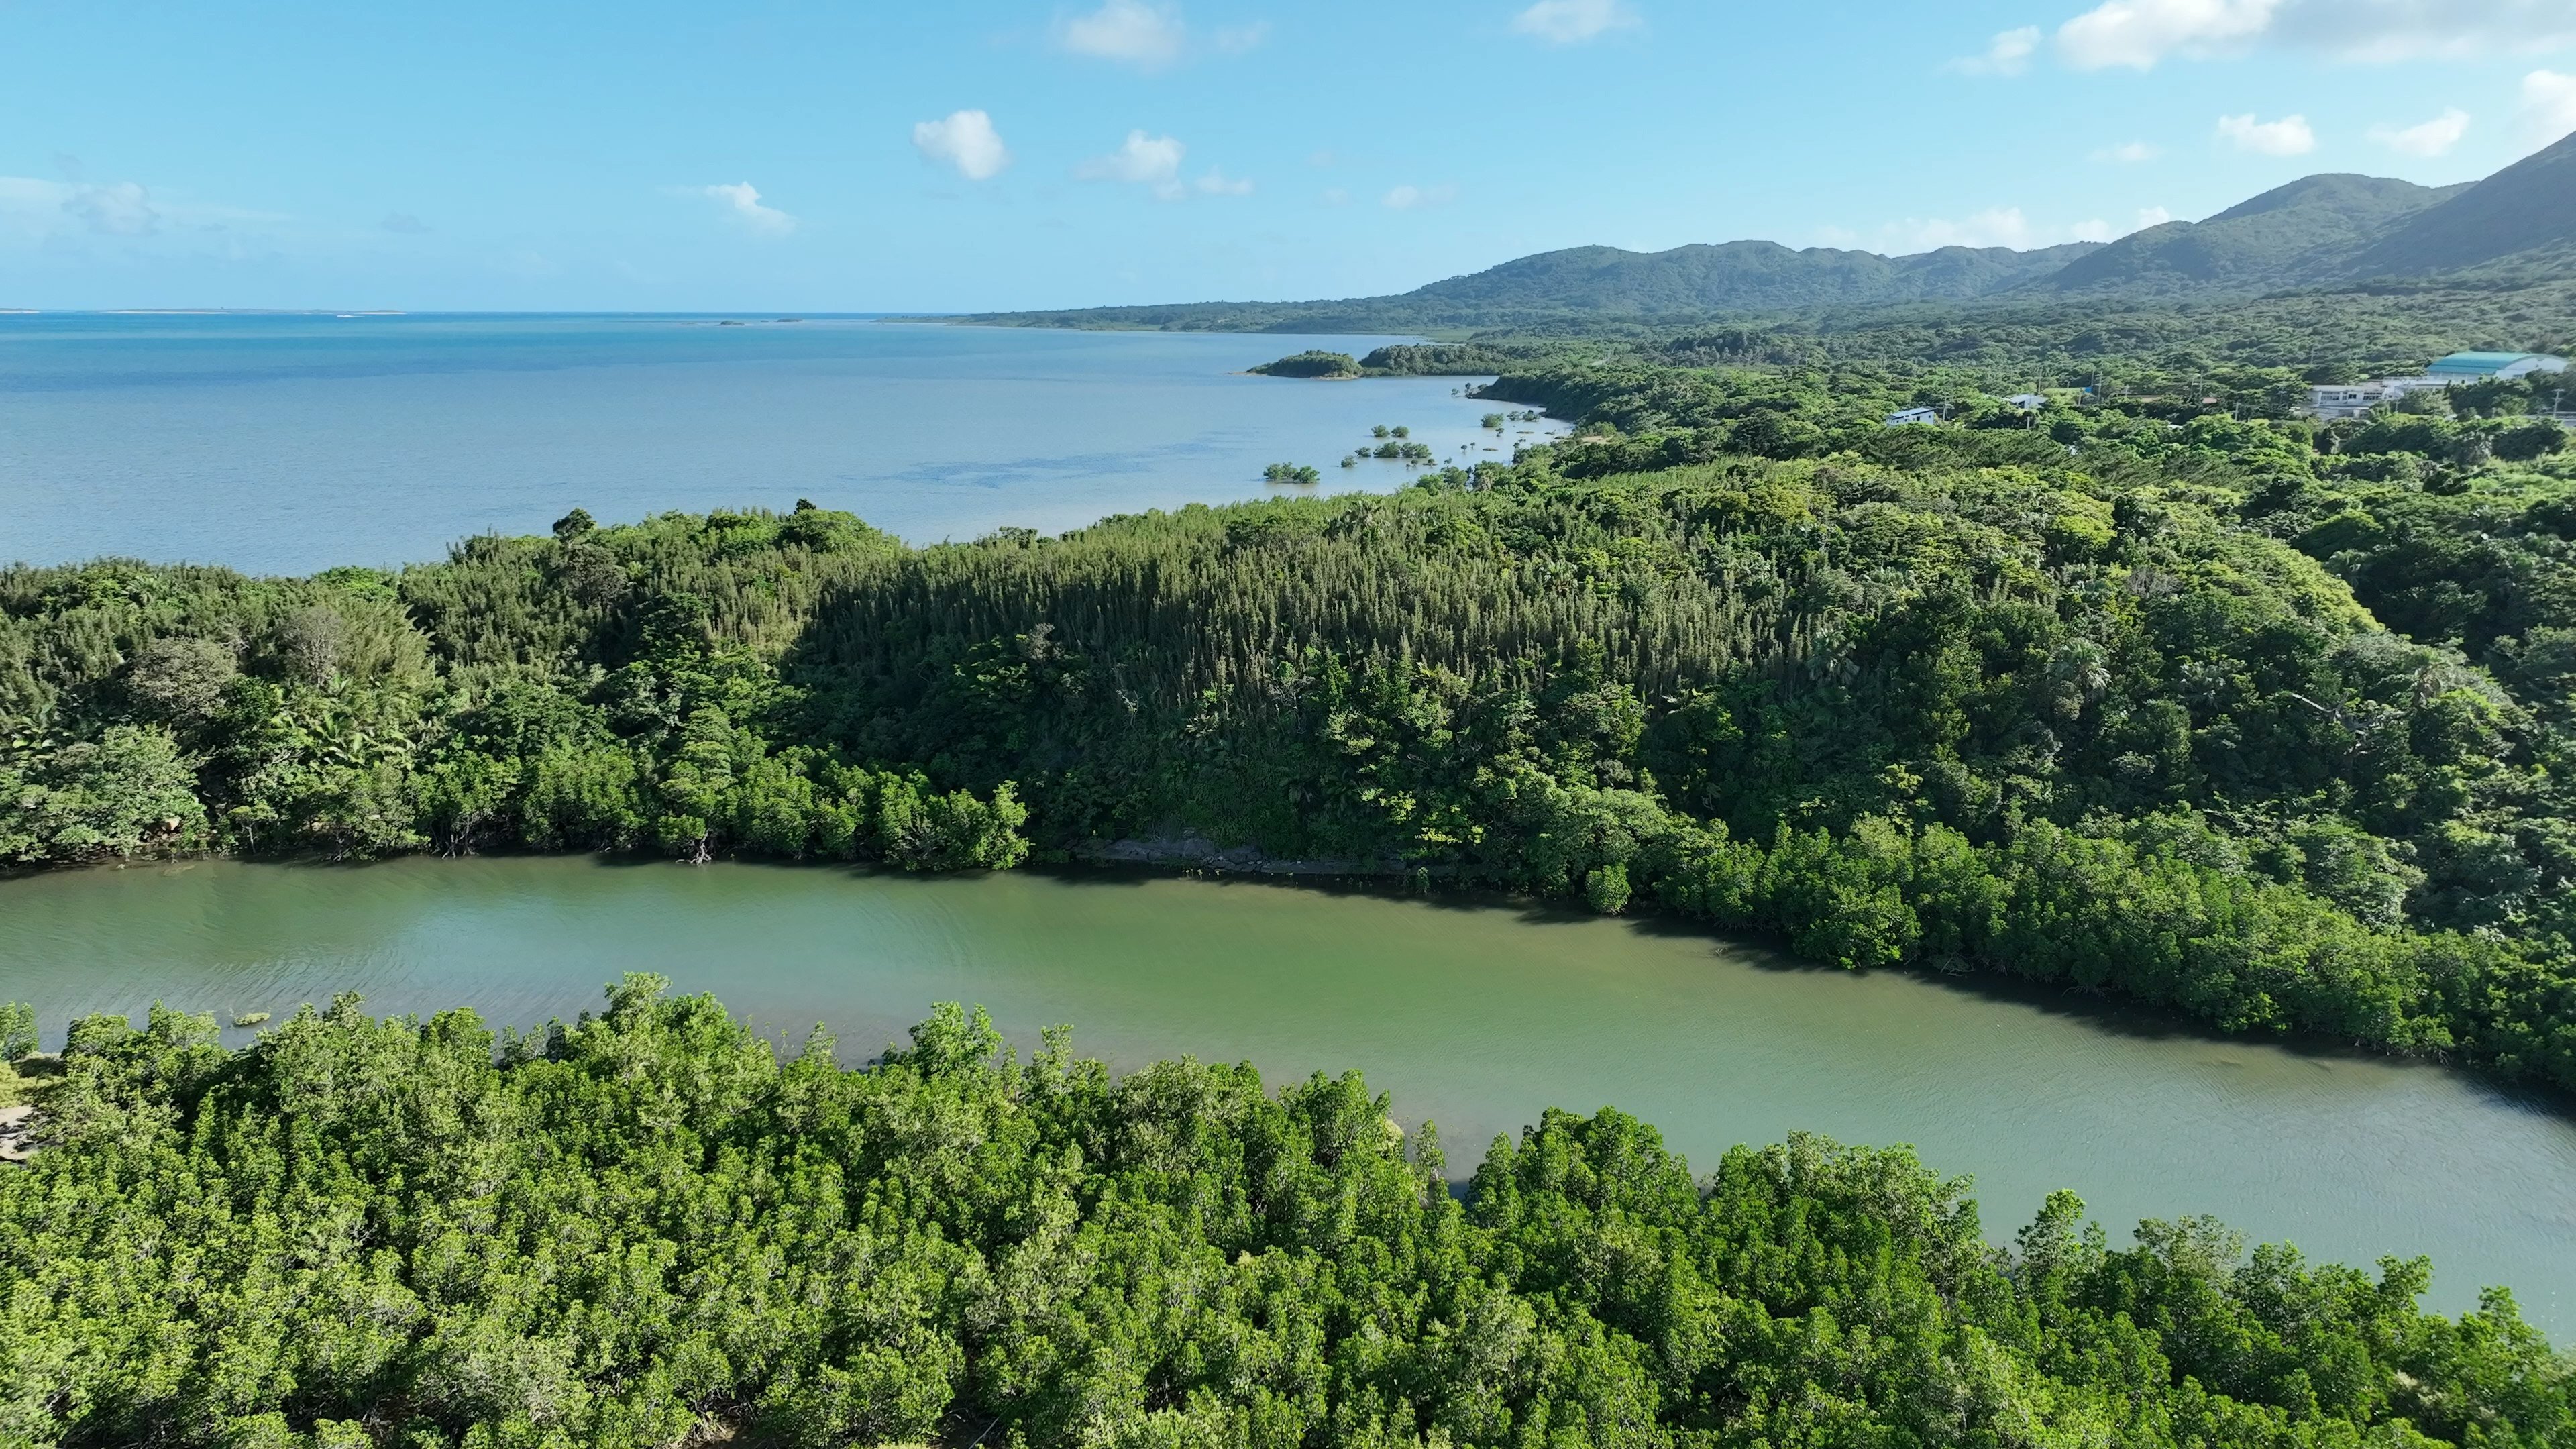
1217	183
2096	230
1413	198
2548	105
1571	22
2007	54
2432	138
2288	136
2151	216
2140	33
743	205
1143	160
966	141
1131	31
2129	154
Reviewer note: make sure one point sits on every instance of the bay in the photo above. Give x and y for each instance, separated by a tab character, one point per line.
287	444
1477	1015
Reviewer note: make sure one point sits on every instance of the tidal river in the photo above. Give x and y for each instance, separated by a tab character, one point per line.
1475	1016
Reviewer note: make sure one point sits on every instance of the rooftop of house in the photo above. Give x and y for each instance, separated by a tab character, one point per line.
2479	361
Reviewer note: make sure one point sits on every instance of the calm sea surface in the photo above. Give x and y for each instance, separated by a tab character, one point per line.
293	443
1477	1016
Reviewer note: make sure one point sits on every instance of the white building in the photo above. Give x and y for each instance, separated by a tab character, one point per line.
1911	416
2029	402
2350	399
2358	398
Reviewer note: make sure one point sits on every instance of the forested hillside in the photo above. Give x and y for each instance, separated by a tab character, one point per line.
2259	722
645	1229
2289	236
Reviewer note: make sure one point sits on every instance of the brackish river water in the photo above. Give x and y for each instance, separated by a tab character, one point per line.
1477	1016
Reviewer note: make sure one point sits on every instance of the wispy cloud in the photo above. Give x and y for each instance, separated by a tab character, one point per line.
965	141
128	215
2008	53
1143	160
2098	230
1129	31
2288	136
1571	22
2548	106
1154	162
120	209
2129	153
2139	34
743	206
34	210
2432	138
1998	226
2002	226
1237	39
1413	198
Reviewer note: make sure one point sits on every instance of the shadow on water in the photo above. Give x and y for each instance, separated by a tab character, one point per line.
2101	1011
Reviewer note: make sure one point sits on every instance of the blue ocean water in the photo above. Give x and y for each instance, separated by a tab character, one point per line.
293	443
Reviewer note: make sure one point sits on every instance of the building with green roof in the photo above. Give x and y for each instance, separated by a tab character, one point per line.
2471	366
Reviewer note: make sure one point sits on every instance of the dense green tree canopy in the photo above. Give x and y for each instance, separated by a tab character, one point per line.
645	1228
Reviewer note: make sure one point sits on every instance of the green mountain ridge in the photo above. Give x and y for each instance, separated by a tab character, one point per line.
1729	275
2525	212
2333	230
2286	237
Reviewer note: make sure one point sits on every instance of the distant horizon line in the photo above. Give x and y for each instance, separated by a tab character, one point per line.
770	314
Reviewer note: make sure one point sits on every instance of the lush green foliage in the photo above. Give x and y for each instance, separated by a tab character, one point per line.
606	689
645	1229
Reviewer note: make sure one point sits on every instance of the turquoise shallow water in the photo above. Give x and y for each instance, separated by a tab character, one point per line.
293	443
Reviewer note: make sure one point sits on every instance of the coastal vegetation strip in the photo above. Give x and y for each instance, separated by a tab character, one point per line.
645	1227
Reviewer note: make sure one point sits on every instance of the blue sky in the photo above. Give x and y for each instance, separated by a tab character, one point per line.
872	155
